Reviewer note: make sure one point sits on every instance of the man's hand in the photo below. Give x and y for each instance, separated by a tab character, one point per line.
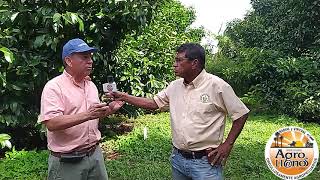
98	110
115	105
220	154
116	95
146	103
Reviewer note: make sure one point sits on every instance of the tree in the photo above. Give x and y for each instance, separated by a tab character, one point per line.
136	41
31	37
274	52
289	26
143	62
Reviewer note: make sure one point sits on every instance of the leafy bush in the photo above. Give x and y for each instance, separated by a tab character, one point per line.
143	62
239	66
28	165
273	53
31	37
4	141
289	26
292	87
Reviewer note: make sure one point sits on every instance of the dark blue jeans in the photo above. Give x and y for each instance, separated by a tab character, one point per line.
193	169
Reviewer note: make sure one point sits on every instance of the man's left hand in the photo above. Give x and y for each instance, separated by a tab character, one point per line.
220	154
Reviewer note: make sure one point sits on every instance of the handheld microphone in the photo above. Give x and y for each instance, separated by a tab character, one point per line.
110	85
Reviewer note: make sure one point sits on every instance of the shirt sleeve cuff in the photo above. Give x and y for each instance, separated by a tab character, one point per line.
160	103
239	114
43	118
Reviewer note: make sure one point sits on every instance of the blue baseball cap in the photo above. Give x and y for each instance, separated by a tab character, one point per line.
76	45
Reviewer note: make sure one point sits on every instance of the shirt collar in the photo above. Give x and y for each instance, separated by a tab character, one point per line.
198	80
80	84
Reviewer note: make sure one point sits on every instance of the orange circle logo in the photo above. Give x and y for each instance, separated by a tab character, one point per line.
291	153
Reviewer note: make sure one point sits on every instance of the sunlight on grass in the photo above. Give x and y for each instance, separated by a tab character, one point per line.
150	159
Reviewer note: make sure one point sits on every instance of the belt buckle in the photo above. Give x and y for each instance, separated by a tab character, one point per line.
193	155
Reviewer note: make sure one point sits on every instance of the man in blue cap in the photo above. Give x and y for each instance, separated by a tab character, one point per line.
71	109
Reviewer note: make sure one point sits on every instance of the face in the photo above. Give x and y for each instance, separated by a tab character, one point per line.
80	63
182	66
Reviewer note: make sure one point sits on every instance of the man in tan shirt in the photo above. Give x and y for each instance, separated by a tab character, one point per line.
199	103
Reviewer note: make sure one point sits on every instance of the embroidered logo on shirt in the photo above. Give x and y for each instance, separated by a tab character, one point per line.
204	98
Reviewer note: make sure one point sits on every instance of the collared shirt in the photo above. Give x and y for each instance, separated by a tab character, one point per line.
198	110
63	96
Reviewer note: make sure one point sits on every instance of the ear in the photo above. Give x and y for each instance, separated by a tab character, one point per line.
195	63
68	61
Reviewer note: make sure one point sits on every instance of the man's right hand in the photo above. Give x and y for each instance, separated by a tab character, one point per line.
146	103
116	95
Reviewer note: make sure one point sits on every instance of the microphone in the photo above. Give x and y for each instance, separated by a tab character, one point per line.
110	85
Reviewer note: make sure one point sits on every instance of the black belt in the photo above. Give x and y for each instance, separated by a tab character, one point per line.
87	152
192	154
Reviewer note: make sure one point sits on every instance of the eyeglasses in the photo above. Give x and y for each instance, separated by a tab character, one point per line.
181	59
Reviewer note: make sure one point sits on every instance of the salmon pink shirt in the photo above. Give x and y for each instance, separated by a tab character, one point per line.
63	96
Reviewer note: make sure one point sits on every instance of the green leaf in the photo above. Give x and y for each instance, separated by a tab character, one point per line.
56	17
39	41
15	87
67	2
8	55
92	26
34	62
4	141
81	26
61	69
13	106
67	18
13	17
123	78
3	79
4	137
74	17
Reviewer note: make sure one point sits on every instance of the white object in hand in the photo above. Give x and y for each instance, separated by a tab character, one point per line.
110	85
107	87
145	133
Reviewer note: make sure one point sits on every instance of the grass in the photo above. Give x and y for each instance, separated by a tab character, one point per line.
149	159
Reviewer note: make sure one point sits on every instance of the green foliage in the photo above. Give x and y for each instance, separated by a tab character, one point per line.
31	37
29	165
239	65
288	26
4	141
292	86
273	53
136	41
144	61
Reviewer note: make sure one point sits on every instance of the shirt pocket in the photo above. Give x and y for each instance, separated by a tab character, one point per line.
202	113
73	104
92	99
201	107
